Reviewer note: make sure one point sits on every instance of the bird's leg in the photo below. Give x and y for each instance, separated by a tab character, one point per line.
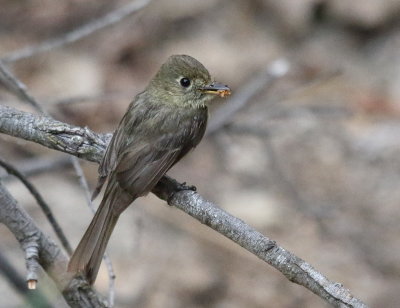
179	187
167	187
183	186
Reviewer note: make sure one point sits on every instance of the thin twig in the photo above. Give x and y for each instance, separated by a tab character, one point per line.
77	34
84	184
38	165
33	299
18	88
51	258
294	268
265	78
111	280
43	205
106	258
32	263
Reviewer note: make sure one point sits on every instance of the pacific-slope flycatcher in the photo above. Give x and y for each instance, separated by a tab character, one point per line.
160	126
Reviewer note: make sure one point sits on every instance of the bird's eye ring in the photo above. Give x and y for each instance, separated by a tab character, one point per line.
185	82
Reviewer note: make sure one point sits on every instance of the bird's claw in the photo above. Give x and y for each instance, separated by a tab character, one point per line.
180	187
183	186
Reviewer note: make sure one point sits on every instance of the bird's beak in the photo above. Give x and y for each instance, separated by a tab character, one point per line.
217	89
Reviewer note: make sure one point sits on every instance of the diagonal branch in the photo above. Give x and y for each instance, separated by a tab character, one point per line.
294	268
53	134
19	89
38	165
88	145
77	34
261	81
50	257
32	299
42	203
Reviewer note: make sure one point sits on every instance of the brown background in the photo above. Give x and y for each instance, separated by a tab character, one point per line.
312	162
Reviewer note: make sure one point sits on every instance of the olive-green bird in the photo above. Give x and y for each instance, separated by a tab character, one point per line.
160	126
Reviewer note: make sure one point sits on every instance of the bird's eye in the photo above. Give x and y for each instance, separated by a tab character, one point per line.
185	82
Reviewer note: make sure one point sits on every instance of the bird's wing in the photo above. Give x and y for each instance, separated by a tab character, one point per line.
139	169
116	145
108	162
142	165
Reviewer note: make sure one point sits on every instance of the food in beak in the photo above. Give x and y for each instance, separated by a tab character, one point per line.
217	89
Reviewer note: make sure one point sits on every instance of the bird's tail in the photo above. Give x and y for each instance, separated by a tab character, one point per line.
89	253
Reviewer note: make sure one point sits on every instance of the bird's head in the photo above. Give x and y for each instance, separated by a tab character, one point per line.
184	81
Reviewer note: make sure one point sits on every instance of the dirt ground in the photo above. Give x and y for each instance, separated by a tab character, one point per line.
312	161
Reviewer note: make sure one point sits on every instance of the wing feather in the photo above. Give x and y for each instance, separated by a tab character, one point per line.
138	163
138	171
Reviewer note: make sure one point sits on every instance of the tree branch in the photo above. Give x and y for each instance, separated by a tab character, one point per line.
77	34
18	88
53	134
32	299
88	145
294	268
51	258
262	80
38	165
42	203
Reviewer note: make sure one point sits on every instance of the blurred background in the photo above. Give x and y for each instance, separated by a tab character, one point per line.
311	161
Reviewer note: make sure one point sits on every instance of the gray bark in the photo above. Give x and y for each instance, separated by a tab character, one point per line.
88	145
76	292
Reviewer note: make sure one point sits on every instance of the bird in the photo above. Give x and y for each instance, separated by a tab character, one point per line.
162	124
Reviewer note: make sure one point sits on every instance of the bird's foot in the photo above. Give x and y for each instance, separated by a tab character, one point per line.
180	187
183	186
